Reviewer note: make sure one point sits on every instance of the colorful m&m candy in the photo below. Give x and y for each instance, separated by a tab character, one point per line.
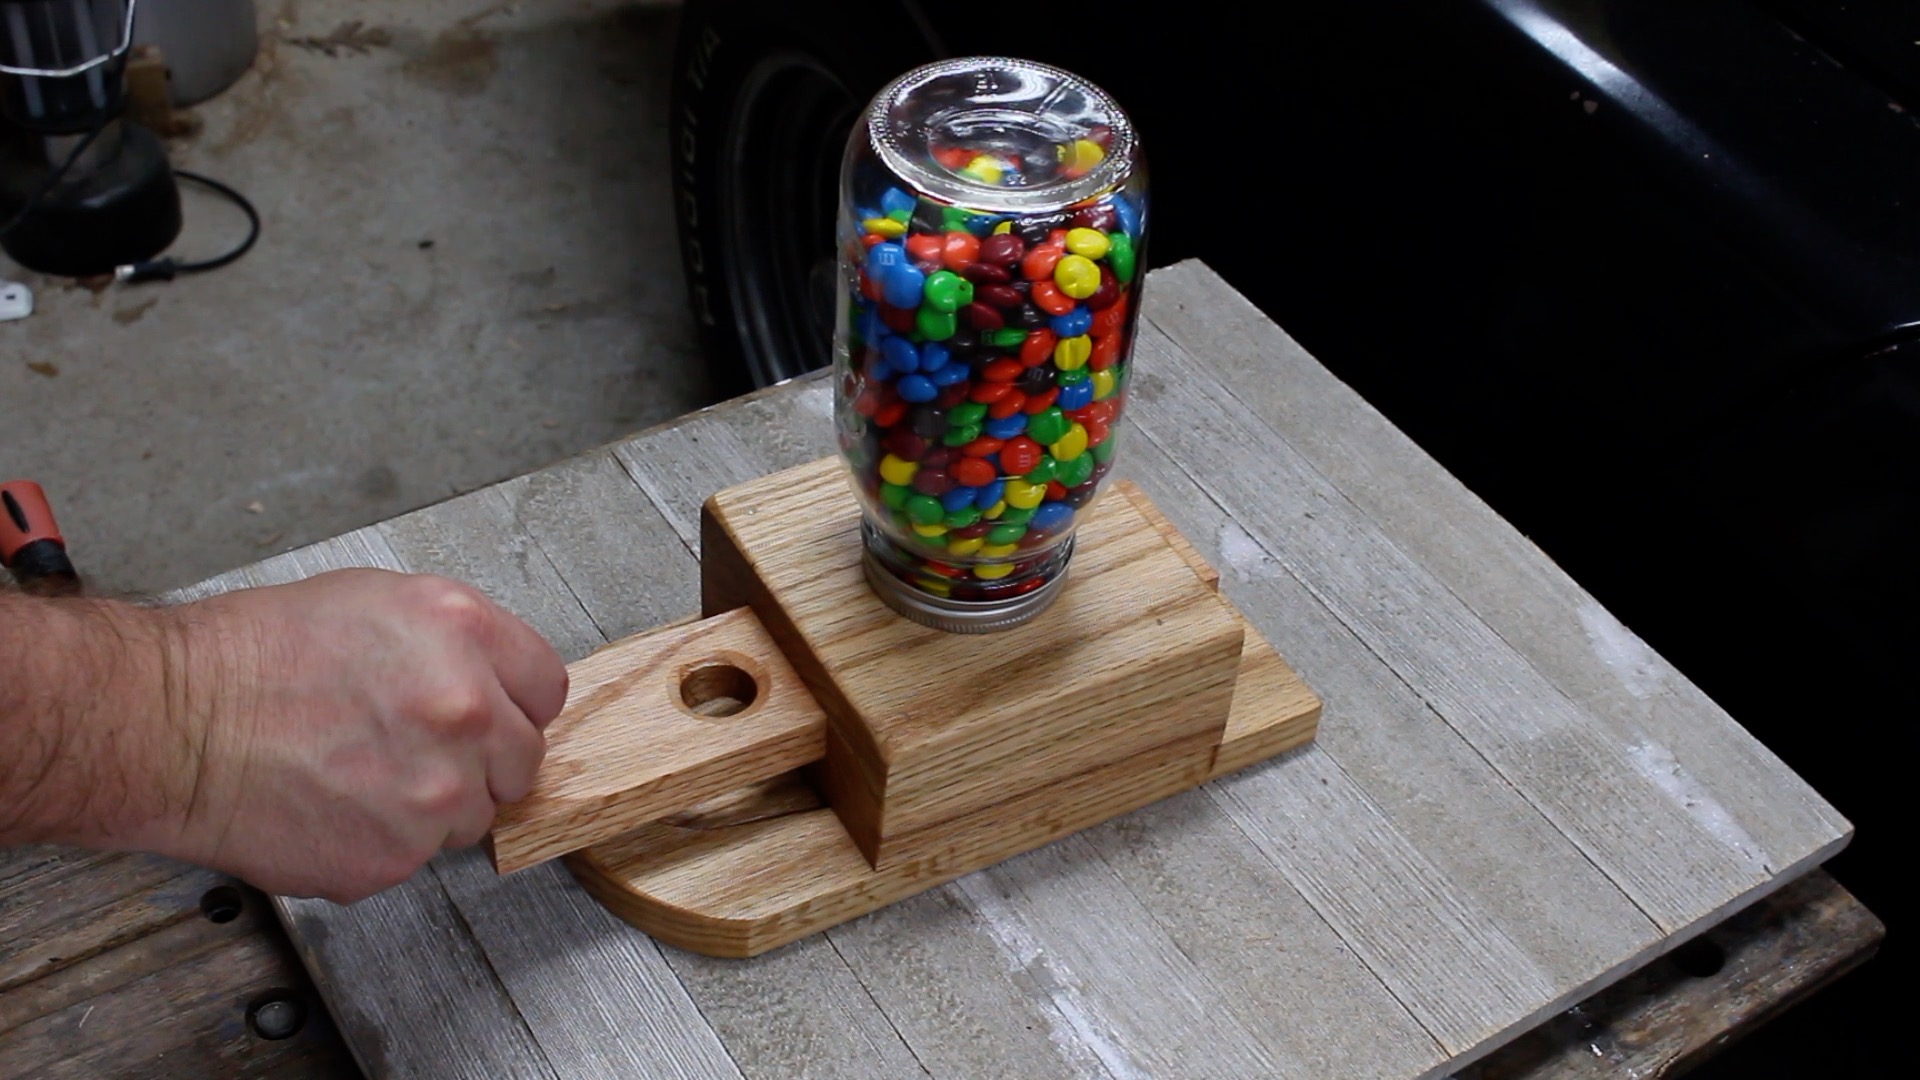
992	222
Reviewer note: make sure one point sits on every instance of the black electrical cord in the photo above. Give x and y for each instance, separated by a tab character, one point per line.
53	178
166	268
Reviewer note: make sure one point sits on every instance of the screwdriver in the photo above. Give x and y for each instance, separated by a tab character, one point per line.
30	542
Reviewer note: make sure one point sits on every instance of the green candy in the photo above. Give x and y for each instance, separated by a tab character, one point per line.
1120	256
1076	472
953	219
1104	452
1077	375
935	325
1006	533
1014	515
960	436
925	510
1047	469
960	519
895	495
1007	337
902	216
1047	427
942	290
966	413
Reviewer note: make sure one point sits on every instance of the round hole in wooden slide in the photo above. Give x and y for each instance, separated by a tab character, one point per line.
718	689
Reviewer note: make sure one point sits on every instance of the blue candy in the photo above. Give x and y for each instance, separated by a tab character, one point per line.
1075	395
1007	427
987	494
901	285
1073	324
916	388
982	224
1049	516
1128	214
872	330
958	498
895	199
934	356
883	256
904	358
948	374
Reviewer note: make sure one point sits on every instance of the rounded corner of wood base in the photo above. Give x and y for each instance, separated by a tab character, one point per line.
707	933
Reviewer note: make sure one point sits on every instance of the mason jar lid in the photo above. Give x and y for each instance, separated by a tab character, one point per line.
1002	135
960	616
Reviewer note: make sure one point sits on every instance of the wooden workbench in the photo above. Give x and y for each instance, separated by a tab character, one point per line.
1512	805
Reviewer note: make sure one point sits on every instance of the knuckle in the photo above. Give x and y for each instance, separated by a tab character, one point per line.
459	712
457	606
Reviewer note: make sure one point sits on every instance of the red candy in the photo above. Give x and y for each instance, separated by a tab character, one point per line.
903	443
972	532
952	395
1102	217
1041	402
1038	348
974	472
1007	406
1004	297
924	247
1097	431
1020	455
1048	298
1110	320
1107	294
1055	490
1039	261
890	413
954	157
898	320
985	273
983	317
960	250
1057	237
989	392
1002	249
1106	352
869	288
933	482
984	446
1005	369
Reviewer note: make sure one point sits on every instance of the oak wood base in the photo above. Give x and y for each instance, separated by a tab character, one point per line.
773	861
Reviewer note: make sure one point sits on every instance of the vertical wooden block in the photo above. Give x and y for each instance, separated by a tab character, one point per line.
1135	664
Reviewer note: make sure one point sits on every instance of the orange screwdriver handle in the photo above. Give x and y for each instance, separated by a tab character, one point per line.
30	542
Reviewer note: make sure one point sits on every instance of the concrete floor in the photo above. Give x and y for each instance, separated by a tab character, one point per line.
468	271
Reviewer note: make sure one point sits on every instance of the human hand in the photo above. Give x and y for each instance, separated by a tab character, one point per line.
353	725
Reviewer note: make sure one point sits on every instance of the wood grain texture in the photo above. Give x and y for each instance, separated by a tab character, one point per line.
1136	656
629	747
115	970
1670	728
1680	1011
1631	815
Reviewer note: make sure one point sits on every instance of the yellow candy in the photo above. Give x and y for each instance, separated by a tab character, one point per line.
1091	243
993	571
1070	354
984	169
936	586
884	226
995	510
1076	275
1024	496
1104	384
1084	154
930	530
966	547
898	470
1003	228
1071	445
999	551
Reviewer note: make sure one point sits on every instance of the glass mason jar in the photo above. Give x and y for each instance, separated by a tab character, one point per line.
991	230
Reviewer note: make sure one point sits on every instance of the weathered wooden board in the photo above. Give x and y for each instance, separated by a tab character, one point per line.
1496	819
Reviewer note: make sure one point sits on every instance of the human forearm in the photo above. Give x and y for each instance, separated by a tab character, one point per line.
97	746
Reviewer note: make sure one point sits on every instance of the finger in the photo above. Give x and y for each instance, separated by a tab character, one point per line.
529	669
471	822
514	750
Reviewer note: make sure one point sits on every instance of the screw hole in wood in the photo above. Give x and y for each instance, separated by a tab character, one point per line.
717	690
221	904
277	1014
